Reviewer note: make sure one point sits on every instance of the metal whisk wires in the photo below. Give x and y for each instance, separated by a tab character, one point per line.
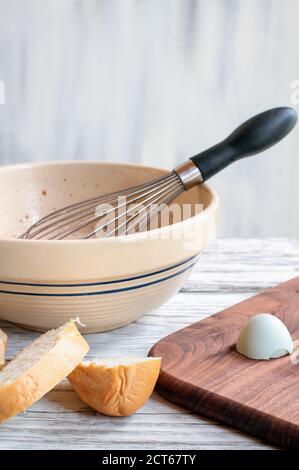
114	214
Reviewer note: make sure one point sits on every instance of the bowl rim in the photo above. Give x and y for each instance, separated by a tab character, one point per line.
133	237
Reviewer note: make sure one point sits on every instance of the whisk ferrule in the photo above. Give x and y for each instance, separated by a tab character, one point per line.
189	174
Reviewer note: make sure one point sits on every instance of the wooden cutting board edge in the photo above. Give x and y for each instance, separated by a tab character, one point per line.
211	405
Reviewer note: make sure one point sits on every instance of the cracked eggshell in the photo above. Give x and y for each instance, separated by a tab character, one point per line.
264	337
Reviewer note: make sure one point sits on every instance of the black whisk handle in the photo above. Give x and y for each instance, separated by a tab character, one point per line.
253	136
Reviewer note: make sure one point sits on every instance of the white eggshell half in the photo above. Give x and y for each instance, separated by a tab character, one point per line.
264	337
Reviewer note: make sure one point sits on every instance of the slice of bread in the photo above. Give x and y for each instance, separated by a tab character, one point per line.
3	344
39	367
116	387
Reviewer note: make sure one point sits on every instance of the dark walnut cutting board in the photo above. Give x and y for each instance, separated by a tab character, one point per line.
202	371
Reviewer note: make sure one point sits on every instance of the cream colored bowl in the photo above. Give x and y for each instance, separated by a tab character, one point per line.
106	282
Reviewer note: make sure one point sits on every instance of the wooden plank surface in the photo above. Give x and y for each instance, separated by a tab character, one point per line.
229	271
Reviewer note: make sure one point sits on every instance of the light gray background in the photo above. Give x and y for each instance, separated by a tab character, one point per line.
155	81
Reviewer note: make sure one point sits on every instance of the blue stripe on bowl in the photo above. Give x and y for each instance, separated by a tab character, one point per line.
102	283
114	291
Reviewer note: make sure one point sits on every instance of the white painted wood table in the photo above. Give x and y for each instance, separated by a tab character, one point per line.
229	271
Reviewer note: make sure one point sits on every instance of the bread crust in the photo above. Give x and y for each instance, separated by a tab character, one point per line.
47	372
3	345
119	390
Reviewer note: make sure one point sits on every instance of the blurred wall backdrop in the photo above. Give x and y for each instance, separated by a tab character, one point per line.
155	81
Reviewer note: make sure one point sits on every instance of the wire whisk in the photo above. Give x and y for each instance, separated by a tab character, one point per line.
132	209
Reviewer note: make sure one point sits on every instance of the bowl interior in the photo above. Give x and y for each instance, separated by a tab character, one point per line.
28	192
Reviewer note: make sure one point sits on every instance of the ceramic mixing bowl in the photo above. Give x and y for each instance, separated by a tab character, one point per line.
106	282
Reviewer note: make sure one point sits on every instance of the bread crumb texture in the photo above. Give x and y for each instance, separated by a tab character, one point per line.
40	367
3	344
